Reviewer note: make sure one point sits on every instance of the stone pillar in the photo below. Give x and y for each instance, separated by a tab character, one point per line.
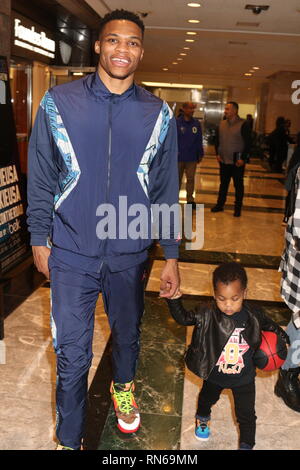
5	33
279	101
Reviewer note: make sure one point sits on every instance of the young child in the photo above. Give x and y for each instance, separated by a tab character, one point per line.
227	332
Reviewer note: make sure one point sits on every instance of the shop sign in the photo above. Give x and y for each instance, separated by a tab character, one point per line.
30	39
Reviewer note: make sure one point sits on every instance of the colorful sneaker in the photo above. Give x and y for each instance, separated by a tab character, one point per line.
202	431
126	409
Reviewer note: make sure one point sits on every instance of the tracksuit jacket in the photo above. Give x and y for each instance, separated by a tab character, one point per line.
88	147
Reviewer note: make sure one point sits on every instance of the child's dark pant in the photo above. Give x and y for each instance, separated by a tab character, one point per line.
244	402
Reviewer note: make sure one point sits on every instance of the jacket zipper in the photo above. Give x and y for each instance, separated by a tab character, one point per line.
108	167
109	149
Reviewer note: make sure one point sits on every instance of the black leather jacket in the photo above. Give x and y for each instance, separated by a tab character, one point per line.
213	329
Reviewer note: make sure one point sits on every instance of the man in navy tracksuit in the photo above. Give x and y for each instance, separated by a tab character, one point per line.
98	141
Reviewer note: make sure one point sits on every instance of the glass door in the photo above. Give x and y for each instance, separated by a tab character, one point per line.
21	95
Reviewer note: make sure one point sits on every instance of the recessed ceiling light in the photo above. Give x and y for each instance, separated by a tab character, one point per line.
255	68
175	63
191	33
248	74
187	48
189	40
194	21
194	5
165	69
182	53
252	71
173	85
179	58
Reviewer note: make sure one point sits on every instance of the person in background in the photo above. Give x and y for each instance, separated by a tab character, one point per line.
278	144
250	121
288	385
290	181
190	148
233	146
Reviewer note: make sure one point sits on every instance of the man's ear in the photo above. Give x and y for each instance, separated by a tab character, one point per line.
245	293
142	55
97	47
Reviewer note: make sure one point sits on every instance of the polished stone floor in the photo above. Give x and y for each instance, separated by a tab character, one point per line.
166	391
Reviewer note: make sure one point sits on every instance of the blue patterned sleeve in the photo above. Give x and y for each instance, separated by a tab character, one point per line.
164	188
43	176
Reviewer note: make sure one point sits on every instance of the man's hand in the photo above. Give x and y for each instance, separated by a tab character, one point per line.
219	159
40	256
170	280
240	162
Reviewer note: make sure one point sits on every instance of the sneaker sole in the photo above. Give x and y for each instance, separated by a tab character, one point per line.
202	438
128	431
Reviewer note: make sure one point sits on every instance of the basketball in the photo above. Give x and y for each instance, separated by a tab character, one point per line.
271	353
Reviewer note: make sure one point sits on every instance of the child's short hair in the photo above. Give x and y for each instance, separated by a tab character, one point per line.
229	272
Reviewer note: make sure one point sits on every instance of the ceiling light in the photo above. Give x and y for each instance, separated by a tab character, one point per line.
194	5
248	74
182	53
191	33
175	63
165	69
172	85
189	40
179	58
255	68
194	21
187	48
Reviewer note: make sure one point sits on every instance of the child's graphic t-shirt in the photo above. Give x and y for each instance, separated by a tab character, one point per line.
235	365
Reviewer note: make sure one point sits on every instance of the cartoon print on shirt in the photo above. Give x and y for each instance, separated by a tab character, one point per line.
231	360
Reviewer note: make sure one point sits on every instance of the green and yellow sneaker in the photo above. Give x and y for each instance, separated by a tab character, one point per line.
126	409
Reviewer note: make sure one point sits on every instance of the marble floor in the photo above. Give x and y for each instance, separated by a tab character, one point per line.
165	390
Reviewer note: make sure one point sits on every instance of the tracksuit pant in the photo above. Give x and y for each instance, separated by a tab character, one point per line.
226	173
190	171
74	294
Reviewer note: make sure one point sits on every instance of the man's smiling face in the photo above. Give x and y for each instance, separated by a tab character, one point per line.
120	47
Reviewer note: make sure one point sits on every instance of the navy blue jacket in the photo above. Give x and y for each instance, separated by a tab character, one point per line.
89	147
190	145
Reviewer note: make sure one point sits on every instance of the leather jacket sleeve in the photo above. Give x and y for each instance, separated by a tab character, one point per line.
180	314
267	324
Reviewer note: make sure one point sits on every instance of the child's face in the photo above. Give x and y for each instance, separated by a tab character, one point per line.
229	298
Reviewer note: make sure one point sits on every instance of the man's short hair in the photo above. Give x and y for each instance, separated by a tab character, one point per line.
121	15
230	272
234	104
187	104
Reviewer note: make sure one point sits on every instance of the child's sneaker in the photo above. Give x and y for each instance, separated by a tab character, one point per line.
126	409
244	446
202	431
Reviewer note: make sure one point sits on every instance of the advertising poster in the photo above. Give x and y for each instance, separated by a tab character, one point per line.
13	230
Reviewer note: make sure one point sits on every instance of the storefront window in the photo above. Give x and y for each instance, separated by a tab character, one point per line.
21	89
